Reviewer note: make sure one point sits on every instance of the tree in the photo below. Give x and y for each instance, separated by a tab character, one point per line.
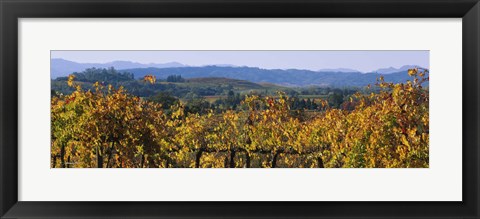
165	99
175	78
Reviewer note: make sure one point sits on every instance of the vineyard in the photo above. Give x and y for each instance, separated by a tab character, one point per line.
106	127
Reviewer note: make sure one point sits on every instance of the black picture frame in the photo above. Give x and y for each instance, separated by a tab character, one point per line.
12	10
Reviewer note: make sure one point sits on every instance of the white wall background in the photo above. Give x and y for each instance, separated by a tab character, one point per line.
441	182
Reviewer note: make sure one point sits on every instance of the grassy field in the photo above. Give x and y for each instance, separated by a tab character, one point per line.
212	99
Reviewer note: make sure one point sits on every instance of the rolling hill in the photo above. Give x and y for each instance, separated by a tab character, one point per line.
238	84
289	77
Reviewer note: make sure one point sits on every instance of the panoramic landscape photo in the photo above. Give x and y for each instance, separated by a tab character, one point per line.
239	109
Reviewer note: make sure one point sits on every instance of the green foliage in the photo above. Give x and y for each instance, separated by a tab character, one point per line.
93	75
165	99
175	78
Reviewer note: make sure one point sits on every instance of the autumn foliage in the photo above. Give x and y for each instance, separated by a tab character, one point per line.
107	127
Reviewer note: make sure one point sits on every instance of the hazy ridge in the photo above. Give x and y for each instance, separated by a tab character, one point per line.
340	77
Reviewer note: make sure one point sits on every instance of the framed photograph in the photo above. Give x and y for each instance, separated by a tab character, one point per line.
255	109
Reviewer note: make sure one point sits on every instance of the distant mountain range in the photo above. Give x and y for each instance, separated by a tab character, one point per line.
338	70
340	77
62	67
391	70
289	78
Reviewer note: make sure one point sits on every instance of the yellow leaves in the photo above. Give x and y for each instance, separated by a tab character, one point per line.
404	140
412	132
210	114
412	72
70	80
150	79
179	112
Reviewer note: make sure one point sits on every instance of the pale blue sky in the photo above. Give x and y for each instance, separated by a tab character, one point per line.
364	61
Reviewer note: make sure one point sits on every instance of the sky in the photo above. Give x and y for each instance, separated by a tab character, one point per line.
364	61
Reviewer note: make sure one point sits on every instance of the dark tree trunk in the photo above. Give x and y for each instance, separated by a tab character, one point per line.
197	158
232	158
320	162
68	161
62	156
54	162
99	161
99	158
274	160
247	160
142	160
225	162
110	153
